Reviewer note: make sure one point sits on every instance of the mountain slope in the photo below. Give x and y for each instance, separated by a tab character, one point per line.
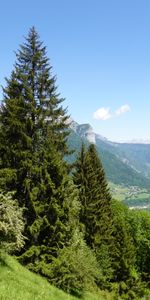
122	164
137	155
118	171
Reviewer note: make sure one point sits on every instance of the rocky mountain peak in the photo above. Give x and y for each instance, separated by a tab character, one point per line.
83	130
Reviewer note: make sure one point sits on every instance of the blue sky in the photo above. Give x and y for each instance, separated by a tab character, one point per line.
100	52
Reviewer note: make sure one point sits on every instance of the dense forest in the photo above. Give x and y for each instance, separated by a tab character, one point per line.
59	219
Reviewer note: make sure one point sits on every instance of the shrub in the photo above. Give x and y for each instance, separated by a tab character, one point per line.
76	269
11	223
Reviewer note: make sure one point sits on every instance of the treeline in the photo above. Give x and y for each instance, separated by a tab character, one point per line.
74	233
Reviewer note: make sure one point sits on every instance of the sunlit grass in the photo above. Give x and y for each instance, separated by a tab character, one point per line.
17	283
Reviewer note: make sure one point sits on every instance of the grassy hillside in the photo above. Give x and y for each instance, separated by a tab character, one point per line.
17	283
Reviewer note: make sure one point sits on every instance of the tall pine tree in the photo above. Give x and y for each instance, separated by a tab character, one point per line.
95	198
96	212
33	136
31	113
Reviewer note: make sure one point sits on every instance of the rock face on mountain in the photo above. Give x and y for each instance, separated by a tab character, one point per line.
84	131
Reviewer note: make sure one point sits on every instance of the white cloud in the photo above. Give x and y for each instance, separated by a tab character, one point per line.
102	114
123	109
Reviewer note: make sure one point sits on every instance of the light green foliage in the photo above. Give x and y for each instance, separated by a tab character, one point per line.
124	250
105	264
75	269
140	221
11	223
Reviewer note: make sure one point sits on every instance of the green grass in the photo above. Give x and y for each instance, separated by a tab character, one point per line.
17	283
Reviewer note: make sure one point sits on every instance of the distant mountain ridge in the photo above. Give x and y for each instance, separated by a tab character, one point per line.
124	163
137	141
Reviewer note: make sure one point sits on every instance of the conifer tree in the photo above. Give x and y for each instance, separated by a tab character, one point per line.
95	199
31	114
56	219
33	136
100	208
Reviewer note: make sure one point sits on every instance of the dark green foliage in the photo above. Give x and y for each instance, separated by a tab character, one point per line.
53	227
32	120
32	146
96	214
94	196
33	123
31	111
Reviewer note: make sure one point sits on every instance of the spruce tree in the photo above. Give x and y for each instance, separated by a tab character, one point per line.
100	208
95	199
33	136
32	82
31	113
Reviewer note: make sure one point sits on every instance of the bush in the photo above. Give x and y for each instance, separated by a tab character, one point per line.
11	223
76	269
